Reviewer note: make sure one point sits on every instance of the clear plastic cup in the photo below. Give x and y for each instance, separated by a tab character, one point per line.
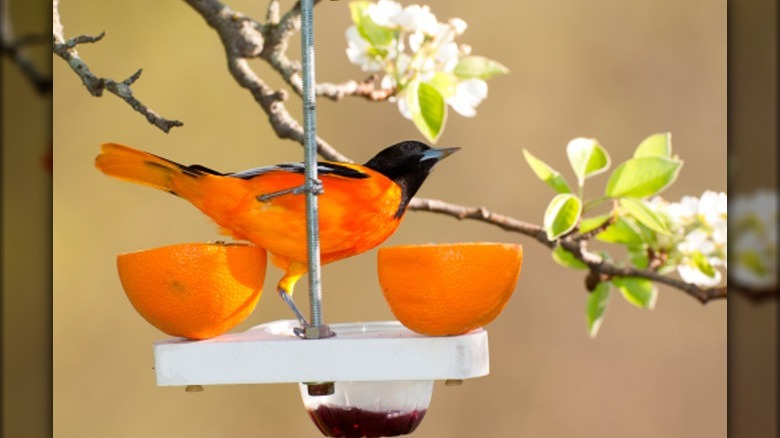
369	409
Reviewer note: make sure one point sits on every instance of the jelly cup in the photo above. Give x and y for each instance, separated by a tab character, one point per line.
369	409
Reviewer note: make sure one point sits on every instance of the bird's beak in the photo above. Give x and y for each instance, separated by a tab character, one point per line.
438	154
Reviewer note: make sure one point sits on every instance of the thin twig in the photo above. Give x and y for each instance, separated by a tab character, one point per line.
366	89
14	48
483	215
66	49
14	51
755	295
272	15
26	40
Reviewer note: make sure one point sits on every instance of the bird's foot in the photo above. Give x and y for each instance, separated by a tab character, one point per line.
306	330
298	315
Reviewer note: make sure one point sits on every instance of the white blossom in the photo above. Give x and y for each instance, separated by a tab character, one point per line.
458	25
403	106
416	17
420	49
713	207
447	56
760	209
357	51
699	234
388	82
416	40
384	12
720	233
685	210
754	251
468	94
697	240
754	261
691	274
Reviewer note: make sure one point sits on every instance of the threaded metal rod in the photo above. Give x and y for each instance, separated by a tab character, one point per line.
310	162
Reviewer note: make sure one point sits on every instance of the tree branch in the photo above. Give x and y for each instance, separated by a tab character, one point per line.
576	244
14	48
366	89
483	215
66	49
755	295
608	270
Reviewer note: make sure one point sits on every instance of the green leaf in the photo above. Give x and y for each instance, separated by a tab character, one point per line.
703	264
547	173
478	67
656	145
562	215
641	212
621	231
591	223
639	257
642	177
357	10
596	306
648	235
752	260
567	259
749	223
370	31
428	109
637	291
587	158
444	83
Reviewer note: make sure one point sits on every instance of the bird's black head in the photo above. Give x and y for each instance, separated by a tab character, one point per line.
408	163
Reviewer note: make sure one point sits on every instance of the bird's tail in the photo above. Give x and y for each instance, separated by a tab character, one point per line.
137	166
144	168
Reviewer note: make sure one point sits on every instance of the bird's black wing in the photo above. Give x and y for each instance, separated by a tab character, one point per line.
329	168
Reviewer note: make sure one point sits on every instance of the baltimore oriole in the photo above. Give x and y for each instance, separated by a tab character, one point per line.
360	206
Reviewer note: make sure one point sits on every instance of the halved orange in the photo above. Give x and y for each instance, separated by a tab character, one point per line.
448	289
194	290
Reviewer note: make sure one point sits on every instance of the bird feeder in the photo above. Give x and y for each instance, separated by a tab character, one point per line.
371	379
355	379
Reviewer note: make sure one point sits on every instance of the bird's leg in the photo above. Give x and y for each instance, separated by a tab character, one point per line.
291	304
292	274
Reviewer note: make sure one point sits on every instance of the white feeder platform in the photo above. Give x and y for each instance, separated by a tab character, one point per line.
271	353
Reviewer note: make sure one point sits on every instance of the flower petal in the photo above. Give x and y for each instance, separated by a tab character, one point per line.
691	274
468	94
416	17
384	12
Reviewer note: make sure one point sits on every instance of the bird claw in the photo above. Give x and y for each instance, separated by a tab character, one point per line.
298	315
306	330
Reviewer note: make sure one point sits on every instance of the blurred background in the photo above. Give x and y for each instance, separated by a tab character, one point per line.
613	70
